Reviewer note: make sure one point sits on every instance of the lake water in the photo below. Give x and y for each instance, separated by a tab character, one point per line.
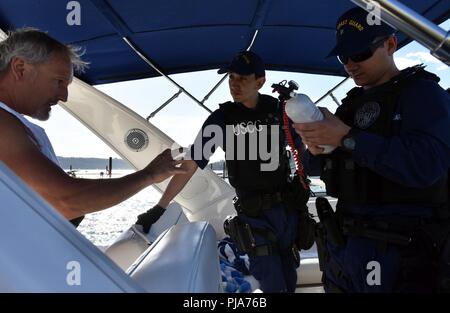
101	228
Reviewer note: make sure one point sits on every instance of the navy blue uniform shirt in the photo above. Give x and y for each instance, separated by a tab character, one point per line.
420	154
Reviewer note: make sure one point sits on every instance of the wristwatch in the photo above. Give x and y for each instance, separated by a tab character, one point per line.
348	141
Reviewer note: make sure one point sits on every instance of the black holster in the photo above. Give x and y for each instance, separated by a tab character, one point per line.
306	230
295	197
240	233
296	256
330	222
321	246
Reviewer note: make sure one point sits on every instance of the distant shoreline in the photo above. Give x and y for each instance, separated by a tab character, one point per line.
76	163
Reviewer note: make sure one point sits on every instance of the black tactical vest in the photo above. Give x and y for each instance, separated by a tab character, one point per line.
245	174
373	111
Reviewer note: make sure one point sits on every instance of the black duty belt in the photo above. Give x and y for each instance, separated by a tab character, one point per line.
254	204
397	230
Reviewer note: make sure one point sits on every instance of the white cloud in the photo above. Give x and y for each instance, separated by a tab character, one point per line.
403	63
423	56
418	57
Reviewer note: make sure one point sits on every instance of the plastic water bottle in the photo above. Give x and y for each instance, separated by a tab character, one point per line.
301	109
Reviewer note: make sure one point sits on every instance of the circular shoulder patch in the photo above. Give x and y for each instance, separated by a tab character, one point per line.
367	114
136	139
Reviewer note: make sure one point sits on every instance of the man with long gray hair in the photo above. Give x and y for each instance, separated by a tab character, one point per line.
35	71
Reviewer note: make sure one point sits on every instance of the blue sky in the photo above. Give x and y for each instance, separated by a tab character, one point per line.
182	119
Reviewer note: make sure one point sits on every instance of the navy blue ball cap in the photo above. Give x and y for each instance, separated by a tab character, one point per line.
245	63
355	31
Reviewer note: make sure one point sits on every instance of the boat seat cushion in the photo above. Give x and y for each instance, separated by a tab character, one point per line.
182	259
127	248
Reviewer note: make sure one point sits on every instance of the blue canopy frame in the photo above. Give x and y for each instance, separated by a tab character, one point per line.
184	36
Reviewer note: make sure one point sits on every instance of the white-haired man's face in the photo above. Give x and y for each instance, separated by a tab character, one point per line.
46	84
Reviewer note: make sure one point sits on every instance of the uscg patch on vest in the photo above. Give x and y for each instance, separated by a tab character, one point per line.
367	114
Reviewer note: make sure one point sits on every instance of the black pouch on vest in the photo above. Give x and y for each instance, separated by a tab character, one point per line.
294	196
330	178
250	205
353	185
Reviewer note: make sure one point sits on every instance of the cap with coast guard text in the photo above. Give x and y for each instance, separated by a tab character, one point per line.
355	31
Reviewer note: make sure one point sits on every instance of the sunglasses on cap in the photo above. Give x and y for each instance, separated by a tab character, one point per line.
364	55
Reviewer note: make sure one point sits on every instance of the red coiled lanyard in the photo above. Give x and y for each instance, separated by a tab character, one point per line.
295	153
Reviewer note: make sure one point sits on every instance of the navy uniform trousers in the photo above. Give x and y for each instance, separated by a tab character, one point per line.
275	272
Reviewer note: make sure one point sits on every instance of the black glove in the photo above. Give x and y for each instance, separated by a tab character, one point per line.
150	217
76	221
306	231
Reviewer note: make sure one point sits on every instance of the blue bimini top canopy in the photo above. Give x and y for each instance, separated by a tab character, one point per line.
191	35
